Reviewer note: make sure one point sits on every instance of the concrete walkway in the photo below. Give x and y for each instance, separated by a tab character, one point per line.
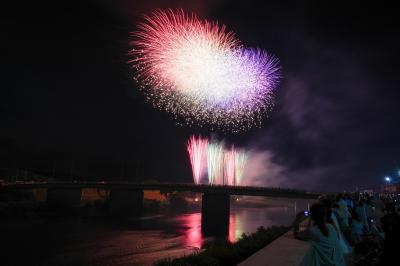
284	251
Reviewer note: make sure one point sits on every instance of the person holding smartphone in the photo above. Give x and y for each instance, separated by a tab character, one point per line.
323	237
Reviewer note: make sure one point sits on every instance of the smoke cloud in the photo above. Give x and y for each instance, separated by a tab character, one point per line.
315	139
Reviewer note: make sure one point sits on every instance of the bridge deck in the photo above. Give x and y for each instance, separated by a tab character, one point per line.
202	188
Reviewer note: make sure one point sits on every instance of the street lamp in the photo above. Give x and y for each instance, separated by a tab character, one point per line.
388	179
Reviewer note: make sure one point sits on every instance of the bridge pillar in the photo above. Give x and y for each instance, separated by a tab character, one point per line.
126	202
63	198
215	210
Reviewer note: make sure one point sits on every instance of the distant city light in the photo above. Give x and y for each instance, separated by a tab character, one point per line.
388	178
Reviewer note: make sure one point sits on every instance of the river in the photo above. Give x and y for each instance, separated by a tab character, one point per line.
143	241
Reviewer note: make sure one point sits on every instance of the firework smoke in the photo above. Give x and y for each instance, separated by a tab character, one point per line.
200	72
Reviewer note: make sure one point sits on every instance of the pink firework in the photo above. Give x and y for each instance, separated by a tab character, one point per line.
229	167
168	41
197	148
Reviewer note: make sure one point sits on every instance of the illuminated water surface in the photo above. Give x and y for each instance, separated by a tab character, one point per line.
141	242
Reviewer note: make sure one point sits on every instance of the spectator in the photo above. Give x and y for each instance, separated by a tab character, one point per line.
325	247
343	209
357	228
362	214
391	227
379	209
370	212
341	228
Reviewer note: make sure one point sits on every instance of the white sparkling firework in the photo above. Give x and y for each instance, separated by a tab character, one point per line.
200	73
215	163
240	163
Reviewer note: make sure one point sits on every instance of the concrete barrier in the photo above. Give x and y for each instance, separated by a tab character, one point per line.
284	251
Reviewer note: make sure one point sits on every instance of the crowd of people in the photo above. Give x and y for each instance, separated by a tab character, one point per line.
351	229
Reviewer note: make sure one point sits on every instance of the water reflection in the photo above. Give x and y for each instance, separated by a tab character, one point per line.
245	220
232	226
240	221
191	230
83	242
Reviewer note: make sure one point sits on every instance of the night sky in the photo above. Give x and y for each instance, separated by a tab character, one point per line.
69	104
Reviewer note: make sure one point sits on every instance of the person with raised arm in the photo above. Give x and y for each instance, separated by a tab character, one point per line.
325	247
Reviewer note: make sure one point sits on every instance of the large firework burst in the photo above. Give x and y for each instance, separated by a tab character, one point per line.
200	72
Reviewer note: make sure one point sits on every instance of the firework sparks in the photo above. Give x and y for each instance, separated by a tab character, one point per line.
240	162
200	72
215	163
197	148
229	167
223	167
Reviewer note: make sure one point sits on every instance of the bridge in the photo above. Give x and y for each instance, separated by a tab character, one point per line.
169	187
127	197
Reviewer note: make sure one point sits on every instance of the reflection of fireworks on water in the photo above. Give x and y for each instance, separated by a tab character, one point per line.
215	163
200	72
197	148
224	167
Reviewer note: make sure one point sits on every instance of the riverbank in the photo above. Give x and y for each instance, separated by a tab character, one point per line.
226	253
